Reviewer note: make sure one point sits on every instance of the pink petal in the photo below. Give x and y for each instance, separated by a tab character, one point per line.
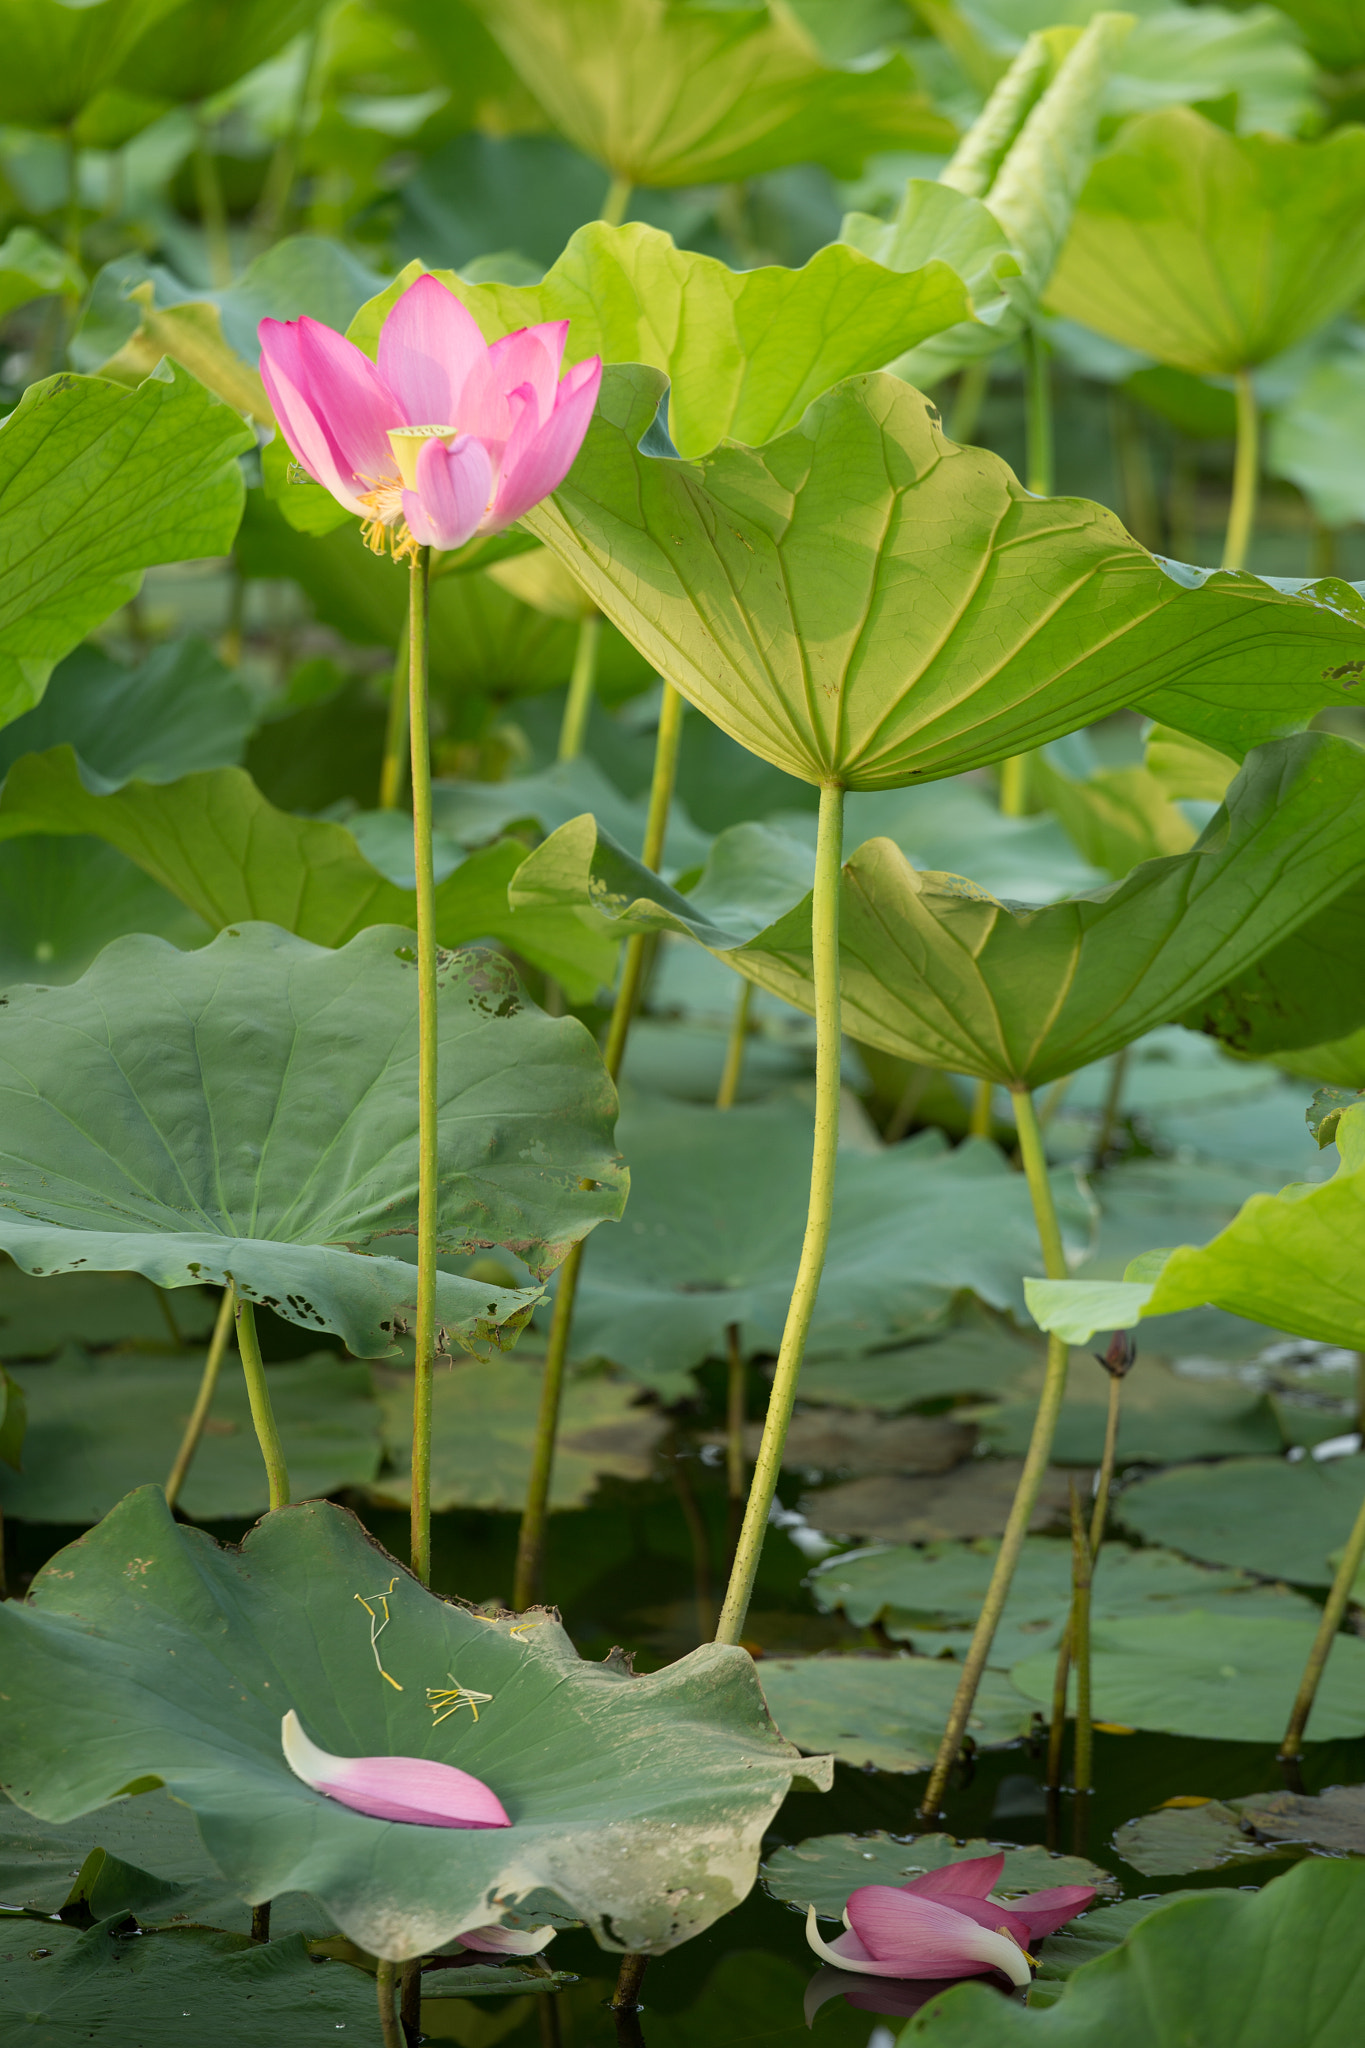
530	356
406	1788
507	1941
927	1940
1045	1912
342	389
536	460
976	1876
429	346
305	432
991	1913
454	485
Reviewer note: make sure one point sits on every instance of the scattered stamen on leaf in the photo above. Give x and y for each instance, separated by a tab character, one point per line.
377	1627
444	1702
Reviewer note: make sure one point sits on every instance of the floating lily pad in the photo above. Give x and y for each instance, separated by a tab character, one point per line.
972	1500
1204	1836
640	1802
1334	1820
884	1713
1288	1975
1262	1514
1163	1417
980	1357
830	1442
932	1596
117	1092
40	1317
483	1429
99	1427
1225	1677
824	1869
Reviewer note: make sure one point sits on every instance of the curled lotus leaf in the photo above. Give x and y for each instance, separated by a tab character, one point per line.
641	1802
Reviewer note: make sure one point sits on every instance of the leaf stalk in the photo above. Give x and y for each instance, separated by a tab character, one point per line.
419	726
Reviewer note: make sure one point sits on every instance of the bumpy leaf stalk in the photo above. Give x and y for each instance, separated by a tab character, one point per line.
734	1050
388	2018
262	1414
825	962
1246	471
1333	1615
1035	1463
194	1428
531	1540
419	726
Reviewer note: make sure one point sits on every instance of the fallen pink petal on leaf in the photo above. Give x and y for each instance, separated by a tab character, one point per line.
406	1788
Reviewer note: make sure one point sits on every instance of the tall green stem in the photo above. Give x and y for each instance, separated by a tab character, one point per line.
384	1980
617	200
1014	781
972	386
273	205
1333	1615
981	1120
1035	1462
734	1049
394	763
262	1414
1038	413
194	1428
531	1538
419	725
825	964
578	704
213	215
1246	471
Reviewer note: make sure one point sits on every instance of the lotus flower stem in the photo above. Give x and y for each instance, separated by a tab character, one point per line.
1081	1569
526	1582
582	682
419	726
389	2029
396	729
213	214
1035	1462
617	200
1333	1615
828	1025
194	1428
734	1049
1246	470
262	1414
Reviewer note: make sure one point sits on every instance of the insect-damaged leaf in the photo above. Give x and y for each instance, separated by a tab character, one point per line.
641	1802
250	1112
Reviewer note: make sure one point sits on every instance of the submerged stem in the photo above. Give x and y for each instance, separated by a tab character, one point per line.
262	1414
395	729
1035	1462
531	1538
582	681
199	1415
1081	1569
1246	471
1333	1615
419	723
825	962
734	1049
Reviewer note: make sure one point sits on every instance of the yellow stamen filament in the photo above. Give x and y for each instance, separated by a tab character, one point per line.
377	1627
445	1702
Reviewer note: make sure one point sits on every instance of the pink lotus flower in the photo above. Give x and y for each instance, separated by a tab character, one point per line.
446	436
507	1941
946	1924
406	1788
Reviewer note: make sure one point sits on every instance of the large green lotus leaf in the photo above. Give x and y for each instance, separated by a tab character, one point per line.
862	600
474	812
640	1802
931	1596
112	1991
981	1356
197	50
1213	251
1115	816
713	1234
31	267
746	351
667	95
96	1310
1306	991
1341	1061
1093	1935
1261	1514
177	711
884	1713
100	1427
96	483
58	56
1225	1677
63	900
215	842
483	1432
1317	439
824	1869
1333	29
1288	1975
1286	1259
1165	1417
935	970
203	1116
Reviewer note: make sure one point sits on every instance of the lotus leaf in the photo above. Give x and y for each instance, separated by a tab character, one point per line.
640	1801
63	900
1306	991
96	483
39	1317
1207	1835
215	842
201	1116
884	1713
1165	1416
100	1427
177	711
1262	1514
195	50
1226	1677
60	56
1316	439
973	1499
824	1869
1213	251
982	1357
1333	30
1093	1935
474	812
665	95
31	267
862	601
1285	1259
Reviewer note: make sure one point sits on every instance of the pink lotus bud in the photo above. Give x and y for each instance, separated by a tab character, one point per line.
406	1788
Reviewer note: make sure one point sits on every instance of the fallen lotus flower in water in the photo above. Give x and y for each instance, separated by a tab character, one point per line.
407	1788
894	1998
445	436
507	1941
946	1924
